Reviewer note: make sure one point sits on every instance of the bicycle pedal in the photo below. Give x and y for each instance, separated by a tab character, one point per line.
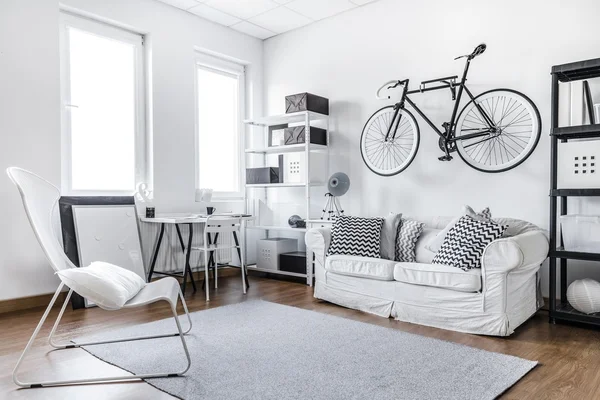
445	158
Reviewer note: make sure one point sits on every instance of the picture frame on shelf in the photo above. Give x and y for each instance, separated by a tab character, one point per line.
277	135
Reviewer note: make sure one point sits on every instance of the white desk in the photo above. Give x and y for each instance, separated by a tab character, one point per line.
189	219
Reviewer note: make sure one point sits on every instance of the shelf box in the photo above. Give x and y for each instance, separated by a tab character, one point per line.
579	165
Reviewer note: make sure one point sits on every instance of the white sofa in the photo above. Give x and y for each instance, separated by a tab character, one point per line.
493	300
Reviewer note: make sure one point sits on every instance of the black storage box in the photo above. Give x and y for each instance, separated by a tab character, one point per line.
297	135
262	175
306	102
265	174
293	262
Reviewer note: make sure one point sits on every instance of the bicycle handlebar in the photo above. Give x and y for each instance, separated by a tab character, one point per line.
387	85
395	83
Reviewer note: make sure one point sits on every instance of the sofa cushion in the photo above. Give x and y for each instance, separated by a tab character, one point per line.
442	276
365	267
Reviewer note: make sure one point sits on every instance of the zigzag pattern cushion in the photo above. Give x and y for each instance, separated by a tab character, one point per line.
356	236
465	242
409	231
435	244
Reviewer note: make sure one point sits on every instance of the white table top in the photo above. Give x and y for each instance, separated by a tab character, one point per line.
189	218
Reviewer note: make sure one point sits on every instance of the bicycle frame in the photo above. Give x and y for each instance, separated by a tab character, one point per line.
448	135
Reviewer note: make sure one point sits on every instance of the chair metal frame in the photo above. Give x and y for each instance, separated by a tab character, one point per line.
171	296
218	224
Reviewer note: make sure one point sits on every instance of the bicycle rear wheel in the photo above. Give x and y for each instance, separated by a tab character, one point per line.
392	156
518	126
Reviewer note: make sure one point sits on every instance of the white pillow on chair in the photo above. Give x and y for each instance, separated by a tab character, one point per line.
106	285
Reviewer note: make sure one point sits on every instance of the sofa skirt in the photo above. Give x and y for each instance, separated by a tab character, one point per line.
430	306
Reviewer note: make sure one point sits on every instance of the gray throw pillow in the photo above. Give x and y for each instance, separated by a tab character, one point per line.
409	231
389	231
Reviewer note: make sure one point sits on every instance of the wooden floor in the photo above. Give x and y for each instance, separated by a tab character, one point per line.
569	356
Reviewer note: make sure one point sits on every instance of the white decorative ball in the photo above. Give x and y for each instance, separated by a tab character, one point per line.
584	295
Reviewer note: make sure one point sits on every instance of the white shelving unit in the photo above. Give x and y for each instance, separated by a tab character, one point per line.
261	125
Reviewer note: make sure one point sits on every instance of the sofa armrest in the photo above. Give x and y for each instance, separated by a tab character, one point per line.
317	240
524	250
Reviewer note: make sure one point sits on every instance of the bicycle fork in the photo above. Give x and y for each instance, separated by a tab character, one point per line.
393	128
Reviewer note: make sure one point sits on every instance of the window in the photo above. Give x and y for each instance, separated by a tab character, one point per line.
104	139
220	99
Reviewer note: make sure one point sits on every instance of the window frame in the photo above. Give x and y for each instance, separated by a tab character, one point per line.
236	69
141	140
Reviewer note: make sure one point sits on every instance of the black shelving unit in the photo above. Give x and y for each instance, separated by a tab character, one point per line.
562	311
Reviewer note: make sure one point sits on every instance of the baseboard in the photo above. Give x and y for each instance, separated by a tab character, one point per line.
42	300
25	303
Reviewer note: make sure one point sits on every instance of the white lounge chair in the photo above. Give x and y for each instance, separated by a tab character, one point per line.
40	199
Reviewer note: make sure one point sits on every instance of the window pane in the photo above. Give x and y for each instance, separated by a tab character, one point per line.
102	83
218	131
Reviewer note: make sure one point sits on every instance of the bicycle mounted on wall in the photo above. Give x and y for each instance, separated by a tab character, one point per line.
494	132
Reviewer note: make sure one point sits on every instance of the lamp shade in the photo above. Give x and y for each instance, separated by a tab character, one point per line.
338	184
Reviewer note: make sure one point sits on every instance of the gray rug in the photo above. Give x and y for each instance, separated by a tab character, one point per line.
262	350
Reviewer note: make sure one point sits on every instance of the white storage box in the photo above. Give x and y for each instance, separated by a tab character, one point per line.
268	251
578	165
581	232
294	168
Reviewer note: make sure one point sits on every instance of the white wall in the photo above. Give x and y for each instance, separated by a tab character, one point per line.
30	131
30	110
348	57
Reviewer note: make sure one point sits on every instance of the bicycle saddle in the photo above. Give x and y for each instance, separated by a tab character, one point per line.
478	50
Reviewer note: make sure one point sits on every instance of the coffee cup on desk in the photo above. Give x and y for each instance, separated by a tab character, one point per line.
210	210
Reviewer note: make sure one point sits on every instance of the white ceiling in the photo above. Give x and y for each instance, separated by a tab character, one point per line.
266	18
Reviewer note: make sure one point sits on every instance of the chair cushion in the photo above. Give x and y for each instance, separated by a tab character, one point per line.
365	267
442	276
104	284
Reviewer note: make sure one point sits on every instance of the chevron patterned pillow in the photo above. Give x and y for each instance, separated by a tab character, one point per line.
409	231
465	242
356	236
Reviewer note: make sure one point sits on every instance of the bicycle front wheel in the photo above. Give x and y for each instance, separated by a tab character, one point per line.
392	156
517	126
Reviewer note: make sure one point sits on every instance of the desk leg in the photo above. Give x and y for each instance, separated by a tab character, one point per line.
239	251
156	250
186	268
187	257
